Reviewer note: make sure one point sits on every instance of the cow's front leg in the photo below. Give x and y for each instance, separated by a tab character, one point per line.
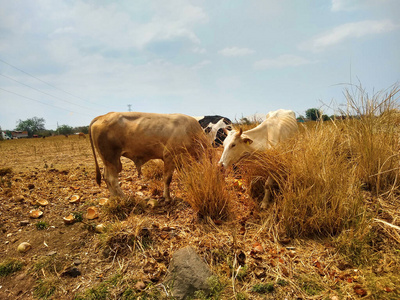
267	193
111	179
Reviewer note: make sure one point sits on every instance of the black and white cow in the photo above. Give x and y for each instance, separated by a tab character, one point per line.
215	128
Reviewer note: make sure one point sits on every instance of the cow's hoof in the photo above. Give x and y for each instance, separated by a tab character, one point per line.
263	205
167	200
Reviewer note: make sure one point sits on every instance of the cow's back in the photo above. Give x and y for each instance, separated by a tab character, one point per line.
135	134
281	126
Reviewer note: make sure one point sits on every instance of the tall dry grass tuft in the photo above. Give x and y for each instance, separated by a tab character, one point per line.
317	191
205	187
323	174
372	133
322	192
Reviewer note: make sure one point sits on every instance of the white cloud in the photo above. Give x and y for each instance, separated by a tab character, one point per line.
282	61
63	30
112	26
235	51
199	50
347	31
201	65
351	5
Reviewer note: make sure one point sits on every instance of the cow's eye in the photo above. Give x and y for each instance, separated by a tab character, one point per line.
233	145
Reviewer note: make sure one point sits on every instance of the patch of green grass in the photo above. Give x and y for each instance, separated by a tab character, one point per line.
241	296
78	216
263	288
99	292
122	207
383	286
282	282
41	225
10	266
241	275
129	294
49	264
216	288
44	289
310	286
357	243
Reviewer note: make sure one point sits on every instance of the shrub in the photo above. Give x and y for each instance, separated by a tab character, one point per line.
323	173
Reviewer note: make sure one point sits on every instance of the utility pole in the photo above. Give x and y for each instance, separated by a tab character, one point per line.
129	107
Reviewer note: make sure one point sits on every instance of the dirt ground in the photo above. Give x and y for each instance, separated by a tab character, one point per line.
75	261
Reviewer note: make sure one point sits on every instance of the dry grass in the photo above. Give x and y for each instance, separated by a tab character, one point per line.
325	173
336	197
204	184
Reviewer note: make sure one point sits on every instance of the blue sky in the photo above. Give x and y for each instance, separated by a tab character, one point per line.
70	61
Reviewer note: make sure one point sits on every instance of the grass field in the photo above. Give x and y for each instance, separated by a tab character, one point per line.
330	232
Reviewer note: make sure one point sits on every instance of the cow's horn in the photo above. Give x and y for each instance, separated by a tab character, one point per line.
239	133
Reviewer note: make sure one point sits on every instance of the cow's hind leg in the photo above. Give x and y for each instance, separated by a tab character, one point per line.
169	167
111	170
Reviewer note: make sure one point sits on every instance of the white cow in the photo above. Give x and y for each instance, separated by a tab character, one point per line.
278	126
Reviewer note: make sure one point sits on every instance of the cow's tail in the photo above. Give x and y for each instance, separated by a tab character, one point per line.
98	174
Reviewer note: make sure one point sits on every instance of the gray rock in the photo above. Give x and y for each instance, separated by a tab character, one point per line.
187	273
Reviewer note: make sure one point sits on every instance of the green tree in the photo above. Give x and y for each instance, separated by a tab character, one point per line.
32	125
84	129
313	114
65	129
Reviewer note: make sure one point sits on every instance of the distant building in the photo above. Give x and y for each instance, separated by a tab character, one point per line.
19	134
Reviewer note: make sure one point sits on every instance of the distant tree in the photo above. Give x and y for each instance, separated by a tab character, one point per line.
313	114
325	118
84	129
65	129
33	125
245	121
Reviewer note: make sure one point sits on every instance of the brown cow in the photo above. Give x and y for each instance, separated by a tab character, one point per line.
81	134
142	137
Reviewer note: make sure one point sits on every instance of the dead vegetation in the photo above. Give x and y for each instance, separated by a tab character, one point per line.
332	230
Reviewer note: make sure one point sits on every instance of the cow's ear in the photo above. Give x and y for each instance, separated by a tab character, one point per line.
225	130
247	141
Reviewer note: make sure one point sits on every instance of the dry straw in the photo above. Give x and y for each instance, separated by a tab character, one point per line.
321	175
205	187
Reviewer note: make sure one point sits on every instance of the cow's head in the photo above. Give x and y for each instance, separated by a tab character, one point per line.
236	146
217	132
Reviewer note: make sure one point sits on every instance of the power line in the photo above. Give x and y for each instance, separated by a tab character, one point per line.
4	62
44	103
44	92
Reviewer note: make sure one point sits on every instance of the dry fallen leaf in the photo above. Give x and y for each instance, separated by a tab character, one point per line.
35	213
69	219
92	213
360	291
74	199
103	201
257	247
42	202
